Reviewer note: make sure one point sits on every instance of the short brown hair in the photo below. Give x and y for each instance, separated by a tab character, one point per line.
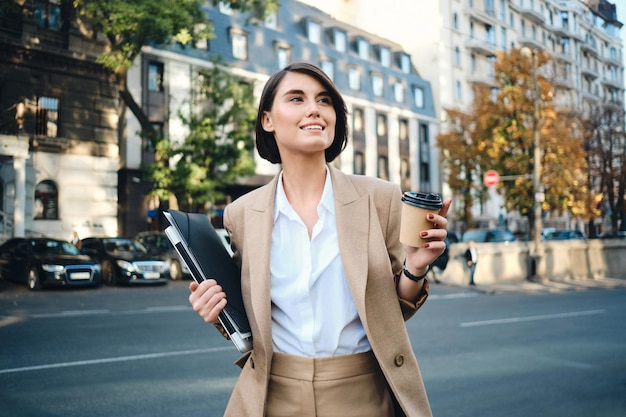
266	142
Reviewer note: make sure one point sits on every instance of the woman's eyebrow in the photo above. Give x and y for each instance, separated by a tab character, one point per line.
301	92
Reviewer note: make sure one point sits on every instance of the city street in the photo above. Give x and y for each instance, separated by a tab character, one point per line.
143	352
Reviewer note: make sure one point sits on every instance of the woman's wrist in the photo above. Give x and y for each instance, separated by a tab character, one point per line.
415	275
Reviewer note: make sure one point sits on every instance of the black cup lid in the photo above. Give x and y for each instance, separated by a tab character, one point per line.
428	201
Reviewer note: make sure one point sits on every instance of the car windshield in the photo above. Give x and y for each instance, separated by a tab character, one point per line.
54	247
123	245
475	235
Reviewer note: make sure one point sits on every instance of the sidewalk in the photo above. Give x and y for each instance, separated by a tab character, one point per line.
544	286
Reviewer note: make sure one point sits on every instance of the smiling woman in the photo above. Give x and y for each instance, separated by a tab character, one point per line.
321	270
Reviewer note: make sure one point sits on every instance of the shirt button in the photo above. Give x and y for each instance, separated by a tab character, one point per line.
399	360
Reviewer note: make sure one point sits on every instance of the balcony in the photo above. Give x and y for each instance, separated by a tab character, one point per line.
530	42
564	82
483	47
483	16
589	72
482	79
589	47
531	14
612	84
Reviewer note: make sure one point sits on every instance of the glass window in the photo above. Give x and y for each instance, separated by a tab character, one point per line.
240	46
329	68
359	163
377	85
47	117
363	48
354	78
271	20
385	56
341	40
457	56
381	124
458	92
48	14
313	31
155	76
282	54
46	201
383	167
418	92
455	21
404	129
357	120
405	63
398	92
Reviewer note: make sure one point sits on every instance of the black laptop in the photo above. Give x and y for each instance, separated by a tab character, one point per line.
202	250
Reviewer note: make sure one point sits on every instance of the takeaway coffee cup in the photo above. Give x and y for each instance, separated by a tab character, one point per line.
415	207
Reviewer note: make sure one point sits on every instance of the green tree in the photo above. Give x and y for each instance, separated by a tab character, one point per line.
219	147
129	25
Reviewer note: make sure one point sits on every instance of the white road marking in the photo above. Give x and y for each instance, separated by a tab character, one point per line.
113	360
531	318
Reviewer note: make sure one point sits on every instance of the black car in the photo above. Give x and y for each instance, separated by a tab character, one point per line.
159	245
45	262
125	261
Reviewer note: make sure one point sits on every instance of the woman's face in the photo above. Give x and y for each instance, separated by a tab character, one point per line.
302	117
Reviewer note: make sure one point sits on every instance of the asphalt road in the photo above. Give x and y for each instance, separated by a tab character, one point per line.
143	352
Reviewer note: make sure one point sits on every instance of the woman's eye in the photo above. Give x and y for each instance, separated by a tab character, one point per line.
325	100
296	99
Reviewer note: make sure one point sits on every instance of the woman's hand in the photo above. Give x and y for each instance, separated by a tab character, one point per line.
207	299
418	259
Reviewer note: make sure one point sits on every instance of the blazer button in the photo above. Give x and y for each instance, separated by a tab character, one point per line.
252	362
399	360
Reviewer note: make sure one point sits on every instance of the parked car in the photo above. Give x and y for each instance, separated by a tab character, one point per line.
566	235
157	244
499	234
44	262
125	261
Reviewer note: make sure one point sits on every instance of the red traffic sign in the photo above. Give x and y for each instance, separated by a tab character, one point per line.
491	178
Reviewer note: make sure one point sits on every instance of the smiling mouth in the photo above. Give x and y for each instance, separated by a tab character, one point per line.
313	128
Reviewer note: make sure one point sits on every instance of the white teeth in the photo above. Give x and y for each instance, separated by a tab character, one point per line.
313	127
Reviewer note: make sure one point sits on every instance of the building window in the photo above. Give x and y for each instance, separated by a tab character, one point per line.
354	78
405	63
381	124
328	67
455	21
418	93
457	56
398	92
403	130
405	173
47	117
357	120
240	46
46	205
359	163
363	48
458	91
424	162
383	167
473	64
48	14
341	40
155	76
224	8
282	56
503	41
385	56
313	31
377	85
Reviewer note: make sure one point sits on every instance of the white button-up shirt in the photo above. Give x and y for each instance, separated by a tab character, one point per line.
313	313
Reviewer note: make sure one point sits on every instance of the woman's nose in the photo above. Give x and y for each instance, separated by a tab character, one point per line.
313	110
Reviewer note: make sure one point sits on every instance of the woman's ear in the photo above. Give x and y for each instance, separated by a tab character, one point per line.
266	122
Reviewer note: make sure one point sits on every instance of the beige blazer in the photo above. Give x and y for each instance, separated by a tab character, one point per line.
368	223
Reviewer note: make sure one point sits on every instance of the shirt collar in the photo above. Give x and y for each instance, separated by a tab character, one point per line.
281	204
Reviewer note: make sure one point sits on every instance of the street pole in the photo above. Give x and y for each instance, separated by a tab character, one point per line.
537	185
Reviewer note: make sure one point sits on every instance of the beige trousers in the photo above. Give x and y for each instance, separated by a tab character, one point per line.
337	386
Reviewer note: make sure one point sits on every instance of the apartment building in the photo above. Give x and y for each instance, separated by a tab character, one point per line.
58	126
393	122
452	44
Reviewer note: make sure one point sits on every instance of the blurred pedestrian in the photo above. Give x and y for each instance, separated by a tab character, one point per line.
76	240
326	283
471	258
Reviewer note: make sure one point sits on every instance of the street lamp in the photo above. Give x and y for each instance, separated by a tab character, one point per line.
537	185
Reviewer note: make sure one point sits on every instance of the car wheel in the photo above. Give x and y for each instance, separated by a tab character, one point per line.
176	271
33	279
108	273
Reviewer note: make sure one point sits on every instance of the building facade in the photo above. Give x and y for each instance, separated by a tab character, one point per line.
453	44
393	118
59	152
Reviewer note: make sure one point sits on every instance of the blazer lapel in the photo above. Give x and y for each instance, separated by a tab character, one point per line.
259	221
353	234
